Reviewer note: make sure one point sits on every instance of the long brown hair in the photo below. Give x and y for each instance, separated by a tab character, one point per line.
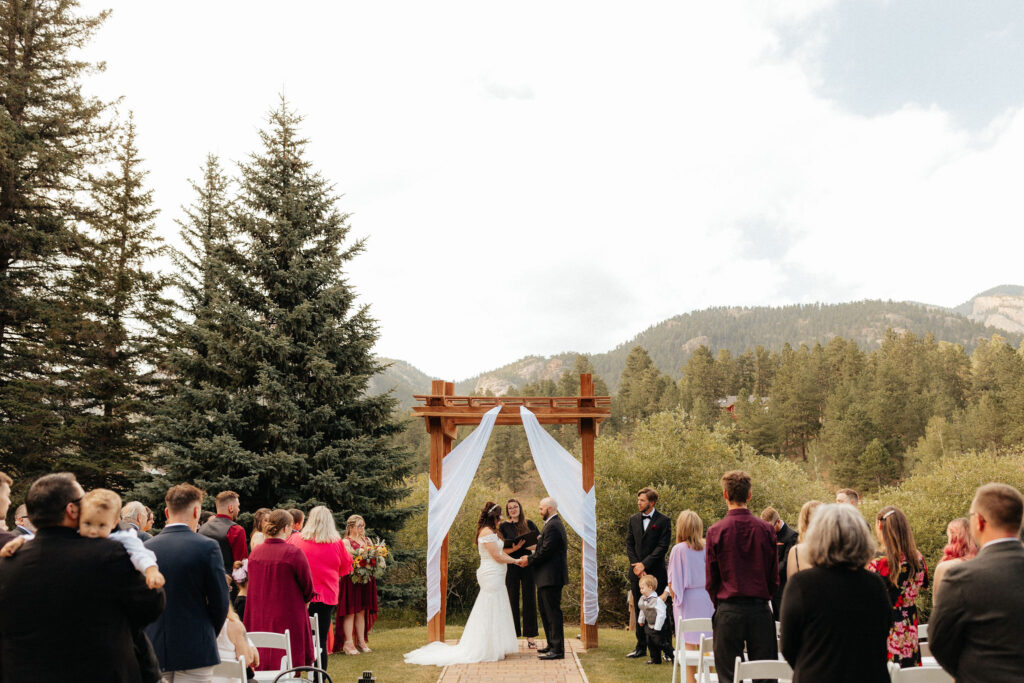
490	516
521	526
898	540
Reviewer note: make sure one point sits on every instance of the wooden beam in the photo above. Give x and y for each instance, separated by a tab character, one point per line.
435	627
588	432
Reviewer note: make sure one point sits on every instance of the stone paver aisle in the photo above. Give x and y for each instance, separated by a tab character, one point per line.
521	667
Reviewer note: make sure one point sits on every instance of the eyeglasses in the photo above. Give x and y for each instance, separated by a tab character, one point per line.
76	501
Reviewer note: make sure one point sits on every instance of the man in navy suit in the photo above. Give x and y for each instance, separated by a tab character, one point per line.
185	636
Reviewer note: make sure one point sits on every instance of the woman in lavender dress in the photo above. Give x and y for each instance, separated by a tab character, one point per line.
690	600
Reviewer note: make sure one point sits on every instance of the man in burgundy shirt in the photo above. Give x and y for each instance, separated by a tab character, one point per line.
742	574
222	528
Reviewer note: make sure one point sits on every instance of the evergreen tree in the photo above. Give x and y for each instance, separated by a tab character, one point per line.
283	416
50	134
641	389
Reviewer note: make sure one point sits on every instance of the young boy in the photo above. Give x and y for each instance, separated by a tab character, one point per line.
652	616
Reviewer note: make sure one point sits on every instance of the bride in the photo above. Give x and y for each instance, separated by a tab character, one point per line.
490	633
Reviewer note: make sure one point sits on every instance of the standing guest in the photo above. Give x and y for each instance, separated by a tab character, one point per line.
835	615
5	504
741	577
280	585
185	636
204	517
258	519
149	521
960	547
62	575
785	539
223	529
519	580
848	497
357	602
796	559
905	572
648	536
977	625
134	514
240	576
23	526
328	560
686	571
298	519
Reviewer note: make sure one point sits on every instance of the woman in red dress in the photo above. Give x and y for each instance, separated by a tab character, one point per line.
357	602
280	585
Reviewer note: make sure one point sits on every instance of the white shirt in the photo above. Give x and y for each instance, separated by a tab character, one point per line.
647	518
652	600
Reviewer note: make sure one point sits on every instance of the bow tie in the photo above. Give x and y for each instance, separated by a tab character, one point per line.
646	516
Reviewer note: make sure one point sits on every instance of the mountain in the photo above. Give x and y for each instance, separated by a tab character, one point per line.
670	343
403	379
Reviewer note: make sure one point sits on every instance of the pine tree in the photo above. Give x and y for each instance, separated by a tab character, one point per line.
50	134
270	398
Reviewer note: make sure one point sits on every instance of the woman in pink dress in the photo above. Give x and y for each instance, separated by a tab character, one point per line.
321	543
280	585
357	602
690	600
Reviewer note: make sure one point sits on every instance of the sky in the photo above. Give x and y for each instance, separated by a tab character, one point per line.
534	178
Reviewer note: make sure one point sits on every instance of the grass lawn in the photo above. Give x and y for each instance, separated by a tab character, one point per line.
606	663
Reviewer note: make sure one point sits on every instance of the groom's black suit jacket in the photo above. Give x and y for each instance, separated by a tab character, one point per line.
550	567
649	546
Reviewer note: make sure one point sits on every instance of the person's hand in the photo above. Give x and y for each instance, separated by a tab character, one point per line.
532	548
11	547
638	568
516	546
523	561
154	579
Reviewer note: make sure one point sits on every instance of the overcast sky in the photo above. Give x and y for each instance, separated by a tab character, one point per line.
540	177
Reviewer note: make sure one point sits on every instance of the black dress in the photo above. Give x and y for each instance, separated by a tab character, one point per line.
519	582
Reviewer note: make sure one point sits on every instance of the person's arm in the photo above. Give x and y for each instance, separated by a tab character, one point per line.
494	550
143	559
791	615
545	548
658	554
791	563
659	607
712	573
141	605
770	553
630	543
236	539
940	573
946	625
215	588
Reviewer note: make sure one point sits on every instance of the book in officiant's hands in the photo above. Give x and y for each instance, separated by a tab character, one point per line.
530	538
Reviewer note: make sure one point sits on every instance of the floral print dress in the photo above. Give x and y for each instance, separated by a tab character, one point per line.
903	646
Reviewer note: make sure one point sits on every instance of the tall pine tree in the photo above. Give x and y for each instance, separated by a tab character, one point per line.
284	418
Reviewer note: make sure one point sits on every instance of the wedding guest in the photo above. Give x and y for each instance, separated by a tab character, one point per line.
240	577
686	580
223	529
258	519
357	602
280	585
204	517
5	503
149	521
60	579
135	514
976	630
796	558
960	547
298	519
785	538
23	526
233	642
185	636
848	496
329	562
905	572
519	580
835	615
648	536
741	577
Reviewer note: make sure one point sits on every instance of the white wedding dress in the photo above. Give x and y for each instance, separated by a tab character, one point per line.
490	633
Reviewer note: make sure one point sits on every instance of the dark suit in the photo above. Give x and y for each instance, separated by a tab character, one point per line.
976	630
785	538
551	572
59	579
185	636
648	547
21	531
143	536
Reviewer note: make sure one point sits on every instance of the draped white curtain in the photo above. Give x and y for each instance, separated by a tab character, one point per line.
562	476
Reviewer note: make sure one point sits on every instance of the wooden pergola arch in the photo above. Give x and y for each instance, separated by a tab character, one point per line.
444	413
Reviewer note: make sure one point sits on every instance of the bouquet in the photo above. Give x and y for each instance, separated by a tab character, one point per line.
369	562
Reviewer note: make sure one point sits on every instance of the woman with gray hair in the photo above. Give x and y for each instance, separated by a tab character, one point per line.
835	615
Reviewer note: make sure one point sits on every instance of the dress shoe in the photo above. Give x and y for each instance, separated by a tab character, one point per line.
635	653
651	661
552	655
544	650
669	657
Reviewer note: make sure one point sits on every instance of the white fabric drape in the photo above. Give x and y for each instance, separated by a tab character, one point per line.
457	472
562	476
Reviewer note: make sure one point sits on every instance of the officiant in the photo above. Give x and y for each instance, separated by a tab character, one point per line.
519	580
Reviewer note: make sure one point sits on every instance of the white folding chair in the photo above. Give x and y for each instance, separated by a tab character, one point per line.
684	657
922	631
762	668
314	627
231	669
275	641
706	660
922	641
919	674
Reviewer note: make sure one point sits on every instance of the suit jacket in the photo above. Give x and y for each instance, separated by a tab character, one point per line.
21	531
143	536
976	630
550	566
649	546
185	636
61	578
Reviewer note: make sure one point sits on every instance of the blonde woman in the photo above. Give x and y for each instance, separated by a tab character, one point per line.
329	562
357	602
797	558
686	579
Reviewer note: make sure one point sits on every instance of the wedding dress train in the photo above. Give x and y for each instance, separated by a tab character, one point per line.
490	633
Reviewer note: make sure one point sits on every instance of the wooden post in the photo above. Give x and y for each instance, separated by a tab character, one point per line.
440	446
588	432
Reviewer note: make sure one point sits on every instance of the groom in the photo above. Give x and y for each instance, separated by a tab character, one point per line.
550	572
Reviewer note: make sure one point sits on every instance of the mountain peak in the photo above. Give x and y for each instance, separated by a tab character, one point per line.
1001	307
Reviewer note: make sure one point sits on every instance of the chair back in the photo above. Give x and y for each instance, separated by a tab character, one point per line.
762	668
920	674
232	669
274	641
684	657
706	653
922	631
290	674
314	626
